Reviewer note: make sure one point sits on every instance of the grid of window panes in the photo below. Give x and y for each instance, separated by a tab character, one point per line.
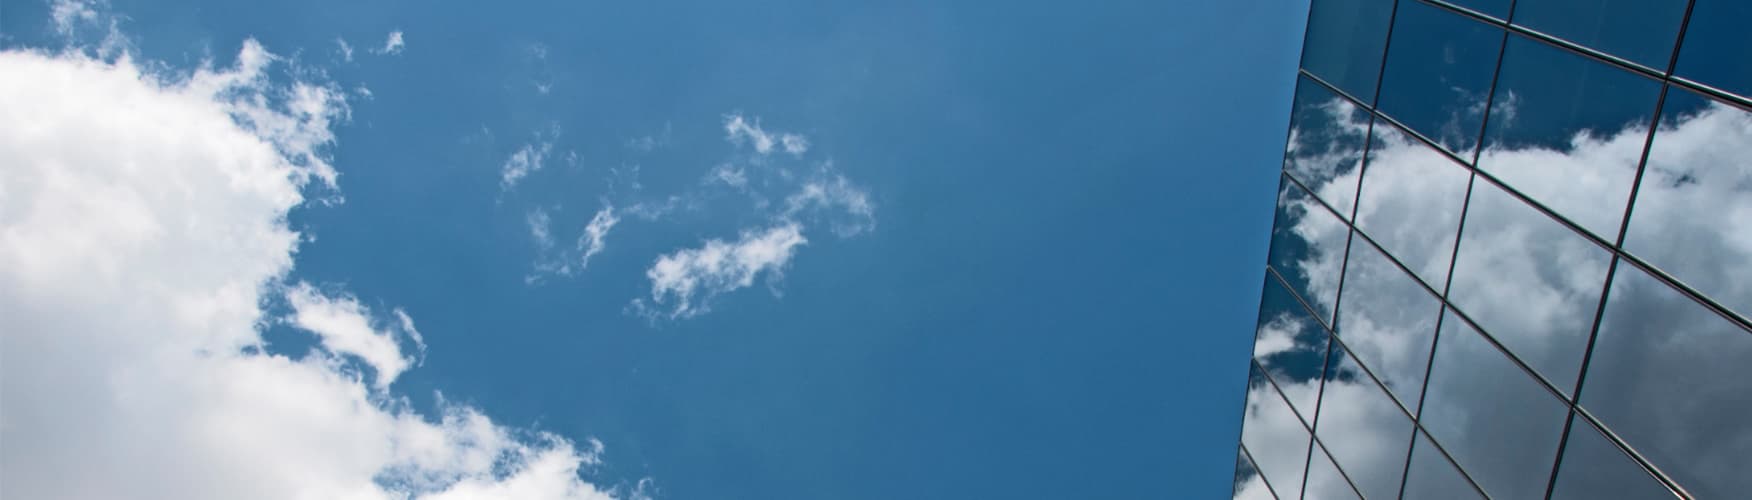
1512	255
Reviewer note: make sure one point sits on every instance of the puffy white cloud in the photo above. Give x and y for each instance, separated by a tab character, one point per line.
687	279
142	228
392	44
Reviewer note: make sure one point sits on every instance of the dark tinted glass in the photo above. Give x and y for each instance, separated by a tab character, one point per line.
1694	206
1325	149
1528	281
1717	46
1494	8
1432	476
1388	320
1593	468
1248	484
1496	421
1344	43
1642	31
1291	346
1325	482
1669	376
1411	200
1568	131
1438	74
1307	248
1274	436
1362	427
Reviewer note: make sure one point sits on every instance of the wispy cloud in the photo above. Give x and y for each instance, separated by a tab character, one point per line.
686	280
345	48
526	160
740	130
392	44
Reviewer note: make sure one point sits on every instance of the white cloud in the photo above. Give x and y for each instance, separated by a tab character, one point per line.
687	280
345	48
142	225
392	44
831	190
525	161
739	130
592	241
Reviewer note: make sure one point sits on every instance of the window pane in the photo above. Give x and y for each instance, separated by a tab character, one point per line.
1291	346
1411	200
1568	132
1669	376
1307	247
1326	144
1324	480
1388	320
1528	281
1717	47
1495	8
1248	484
1432	476
1362	427
1344	43
1642	31
1438	74
1594	468
1695	203
1277	440
1496	421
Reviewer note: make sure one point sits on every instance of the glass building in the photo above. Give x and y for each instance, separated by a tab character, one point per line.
1512	256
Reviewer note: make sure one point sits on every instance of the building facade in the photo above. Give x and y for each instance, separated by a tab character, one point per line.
1512	255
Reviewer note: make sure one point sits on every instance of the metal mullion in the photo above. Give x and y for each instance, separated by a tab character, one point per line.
1631	452
1307	421
1319	400
1606	292
1256	471
1335	90
1331	460
1272	272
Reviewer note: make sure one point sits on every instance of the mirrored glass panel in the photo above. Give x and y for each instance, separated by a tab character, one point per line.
1694	207
1717	47
1432	476
1291	346
1362	428
1307	247
1642	31
1438	74
1669	376
1273	435
1593	468
1388	320
1568	132
1325	150
1528	281
1248	484
1493	418
1411	201
1494	8
1344	43
1324	480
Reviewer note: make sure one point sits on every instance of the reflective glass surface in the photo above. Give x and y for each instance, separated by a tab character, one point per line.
1494	8
1325	482
1717	47
1274	436
1325	150
1528	281
1291	347
1388	321
1248	485
1307	247
1438	74
1362	428
1344	43
1495	420
1568	132
1642	31
1695	202
1594	468
1669	376
1432	476
1410	202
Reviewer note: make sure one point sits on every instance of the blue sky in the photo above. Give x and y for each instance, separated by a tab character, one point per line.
1031	269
